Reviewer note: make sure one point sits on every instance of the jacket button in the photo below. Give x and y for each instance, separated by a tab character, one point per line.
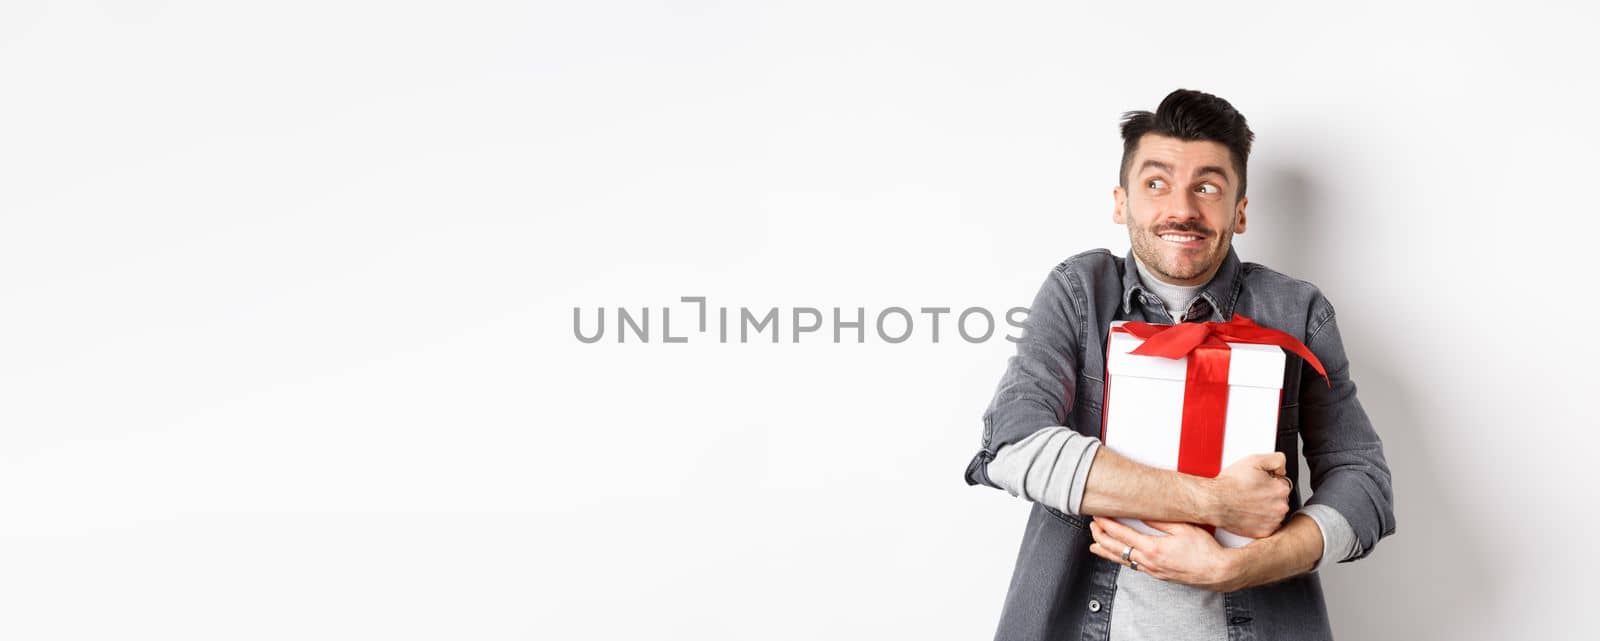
1094	605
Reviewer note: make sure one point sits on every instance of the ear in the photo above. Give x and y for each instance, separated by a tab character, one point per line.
1238	226
1119	213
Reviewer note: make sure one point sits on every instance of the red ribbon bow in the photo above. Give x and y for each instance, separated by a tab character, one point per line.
1177	341
1205	404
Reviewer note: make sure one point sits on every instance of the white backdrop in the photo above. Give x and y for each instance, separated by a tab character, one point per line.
287	303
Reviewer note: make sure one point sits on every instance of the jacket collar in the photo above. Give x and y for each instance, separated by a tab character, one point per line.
1221	292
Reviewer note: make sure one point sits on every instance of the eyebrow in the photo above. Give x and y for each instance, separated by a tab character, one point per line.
1208	169
1213	169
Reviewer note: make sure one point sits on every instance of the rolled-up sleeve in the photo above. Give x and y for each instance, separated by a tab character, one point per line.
1345	455
1050	466
1338	540
1036	390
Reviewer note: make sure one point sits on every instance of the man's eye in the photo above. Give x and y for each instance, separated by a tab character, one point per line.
1208	188
1156	183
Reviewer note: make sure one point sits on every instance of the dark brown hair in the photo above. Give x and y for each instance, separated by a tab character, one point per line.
1190	115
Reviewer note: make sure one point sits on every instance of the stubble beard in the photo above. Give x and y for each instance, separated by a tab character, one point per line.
1147	246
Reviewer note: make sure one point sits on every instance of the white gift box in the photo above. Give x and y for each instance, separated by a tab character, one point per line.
1144	410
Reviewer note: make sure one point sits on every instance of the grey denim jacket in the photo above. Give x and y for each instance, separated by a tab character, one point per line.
1061	591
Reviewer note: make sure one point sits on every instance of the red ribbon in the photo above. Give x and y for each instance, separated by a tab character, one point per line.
1205	392
1177	341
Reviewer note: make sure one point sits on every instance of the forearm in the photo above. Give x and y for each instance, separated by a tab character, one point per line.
1119	487
1292	550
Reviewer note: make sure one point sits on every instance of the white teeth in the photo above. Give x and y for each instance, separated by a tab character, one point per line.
1178	239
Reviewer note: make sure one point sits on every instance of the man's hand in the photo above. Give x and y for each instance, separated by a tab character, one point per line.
1187	555
1250	497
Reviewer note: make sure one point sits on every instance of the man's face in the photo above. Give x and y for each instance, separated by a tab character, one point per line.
1180	207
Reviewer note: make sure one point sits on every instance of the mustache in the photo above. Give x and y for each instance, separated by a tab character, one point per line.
1189	228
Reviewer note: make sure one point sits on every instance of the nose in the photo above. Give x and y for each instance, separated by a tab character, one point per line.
1185	208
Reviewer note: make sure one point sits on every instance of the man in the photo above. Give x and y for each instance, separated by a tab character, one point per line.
1181	194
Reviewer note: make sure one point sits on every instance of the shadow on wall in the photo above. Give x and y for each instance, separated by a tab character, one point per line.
1430	580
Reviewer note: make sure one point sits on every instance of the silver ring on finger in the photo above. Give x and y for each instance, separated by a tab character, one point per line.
1126	553
1133	564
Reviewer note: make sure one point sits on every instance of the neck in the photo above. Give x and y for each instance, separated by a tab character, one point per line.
1176	298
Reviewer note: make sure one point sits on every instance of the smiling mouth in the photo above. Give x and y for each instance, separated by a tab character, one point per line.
1181	239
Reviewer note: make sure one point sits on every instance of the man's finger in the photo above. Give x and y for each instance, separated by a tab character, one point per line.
1125	534
1114	556
1104	538
1274	463
1102	552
